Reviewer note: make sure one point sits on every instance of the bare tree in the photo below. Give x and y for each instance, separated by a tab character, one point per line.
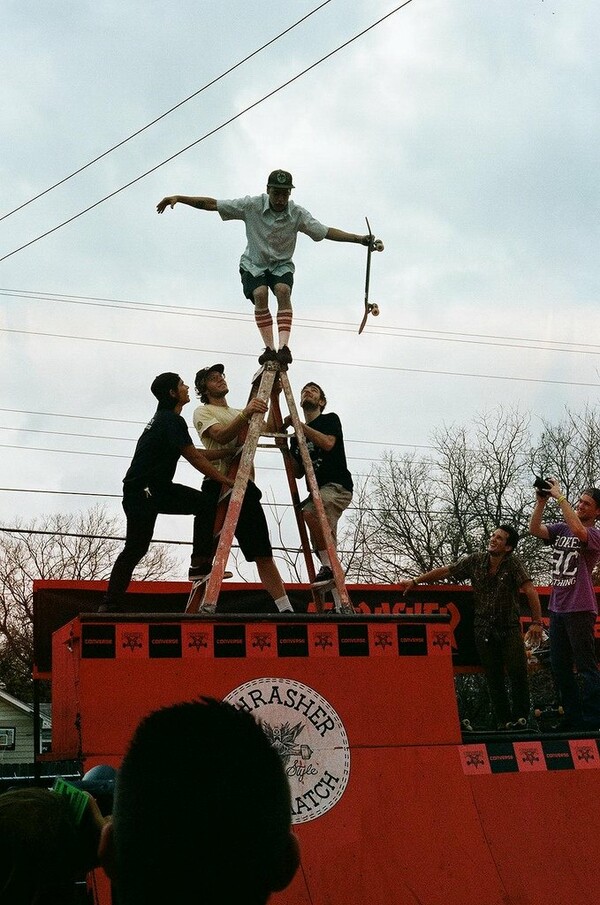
413	513
79	547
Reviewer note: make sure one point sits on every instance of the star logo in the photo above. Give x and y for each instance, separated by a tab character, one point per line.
261	640
324	640
383	640
530	756
197	640
441	640
475	759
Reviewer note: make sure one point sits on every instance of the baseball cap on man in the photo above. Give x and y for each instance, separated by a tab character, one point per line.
594	492
280	179
203	374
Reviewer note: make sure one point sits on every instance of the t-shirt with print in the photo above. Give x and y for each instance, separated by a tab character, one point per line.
572	565
330	466
157	452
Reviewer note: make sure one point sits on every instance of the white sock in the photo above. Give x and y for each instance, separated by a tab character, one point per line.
324	557
283	604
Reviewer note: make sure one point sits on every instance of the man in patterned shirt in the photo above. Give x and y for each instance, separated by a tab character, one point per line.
272	226
573	607
497	577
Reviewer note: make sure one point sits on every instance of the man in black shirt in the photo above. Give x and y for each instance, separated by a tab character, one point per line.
325	441
148	489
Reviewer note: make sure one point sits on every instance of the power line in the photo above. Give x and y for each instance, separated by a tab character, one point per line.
510	342
134	439
320	362
206	134
127	458
165	114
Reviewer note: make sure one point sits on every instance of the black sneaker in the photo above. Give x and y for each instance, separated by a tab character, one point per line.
284	356
268	355
323	576
198	573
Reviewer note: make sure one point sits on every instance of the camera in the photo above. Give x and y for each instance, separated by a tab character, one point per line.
542	486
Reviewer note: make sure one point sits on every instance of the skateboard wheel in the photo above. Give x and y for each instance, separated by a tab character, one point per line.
377	245
375	310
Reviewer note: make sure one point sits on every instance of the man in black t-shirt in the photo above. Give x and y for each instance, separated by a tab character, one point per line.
148	489
325	442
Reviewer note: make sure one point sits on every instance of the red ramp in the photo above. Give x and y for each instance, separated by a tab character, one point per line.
391	807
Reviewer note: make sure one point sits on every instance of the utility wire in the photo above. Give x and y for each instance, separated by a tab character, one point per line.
133	439
509	342
165	114
320	362
206	134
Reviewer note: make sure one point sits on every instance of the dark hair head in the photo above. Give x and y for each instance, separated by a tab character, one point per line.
311	383
513	535
200	783
161	387
594	492
42	849
201	378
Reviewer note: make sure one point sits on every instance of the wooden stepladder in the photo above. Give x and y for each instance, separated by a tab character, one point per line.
204	595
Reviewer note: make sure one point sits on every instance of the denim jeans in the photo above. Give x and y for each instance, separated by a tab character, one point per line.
572	644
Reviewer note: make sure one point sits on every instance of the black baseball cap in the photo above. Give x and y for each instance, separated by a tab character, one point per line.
594	492
280	179
203	374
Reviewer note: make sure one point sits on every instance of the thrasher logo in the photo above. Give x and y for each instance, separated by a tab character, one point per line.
309	736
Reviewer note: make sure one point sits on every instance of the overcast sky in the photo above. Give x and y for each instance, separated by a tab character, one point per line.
467	132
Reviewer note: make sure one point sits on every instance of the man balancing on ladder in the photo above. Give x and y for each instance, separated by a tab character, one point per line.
272	226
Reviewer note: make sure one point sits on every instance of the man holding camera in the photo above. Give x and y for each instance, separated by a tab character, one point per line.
497	577
573	607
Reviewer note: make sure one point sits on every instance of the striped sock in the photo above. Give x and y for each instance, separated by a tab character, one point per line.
284	326
264	322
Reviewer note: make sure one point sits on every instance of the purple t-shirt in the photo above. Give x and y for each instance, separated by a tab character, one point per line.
572	565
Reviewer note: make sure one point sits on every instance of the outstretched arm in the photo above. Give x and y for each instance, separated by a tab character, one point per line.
425	577
338	235
203	204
